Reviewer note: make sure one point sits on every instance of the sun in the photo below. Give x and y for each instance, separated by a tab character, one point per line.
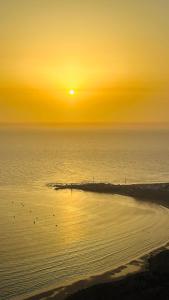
71	92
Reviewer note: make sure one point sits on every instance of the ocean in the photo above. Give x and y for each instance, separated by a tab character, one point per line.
54	238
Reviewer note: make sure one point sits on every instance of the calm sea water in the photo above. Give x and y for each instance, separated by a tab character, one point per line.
50	238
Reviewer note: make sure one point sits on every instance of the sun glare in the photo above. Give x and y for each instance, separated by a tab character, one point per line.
71	92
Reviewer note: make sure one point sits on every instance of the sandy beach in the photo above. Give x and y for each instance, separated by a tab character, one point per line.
84	150
143	278
150	282
124	282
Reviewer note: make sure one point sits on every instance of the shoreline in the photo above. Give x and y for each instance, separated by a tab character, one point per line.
112	277
154	192
150	282
129	272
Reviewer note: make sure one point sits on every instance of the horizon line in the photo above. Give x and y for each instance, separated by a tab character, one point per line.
76	124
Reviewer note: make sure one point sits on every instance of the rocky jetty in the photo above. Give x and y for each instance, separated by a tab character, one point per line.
152	191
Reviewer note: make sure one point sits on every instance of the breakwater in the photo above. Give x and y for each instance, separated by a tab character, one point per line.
152	191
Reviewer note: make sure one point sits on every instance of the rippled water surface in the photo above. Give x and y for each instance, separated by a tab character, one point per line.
50	238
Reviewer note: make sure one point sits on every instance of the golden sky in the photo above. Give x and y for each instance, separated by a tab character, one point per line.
113	54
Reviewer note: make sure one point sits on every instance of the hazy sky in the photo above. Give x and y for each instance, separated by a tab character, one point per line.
114	54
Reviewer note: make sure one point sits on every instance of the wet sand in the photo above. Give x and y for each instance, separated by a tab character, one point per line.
148	275
143	278
151	283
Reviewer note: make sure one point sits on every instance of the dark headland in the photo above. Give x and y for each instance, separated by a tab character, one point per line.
150	282
156	192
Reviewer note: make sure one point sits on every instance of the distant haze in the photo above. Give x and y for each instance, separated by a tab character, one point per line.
113	54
